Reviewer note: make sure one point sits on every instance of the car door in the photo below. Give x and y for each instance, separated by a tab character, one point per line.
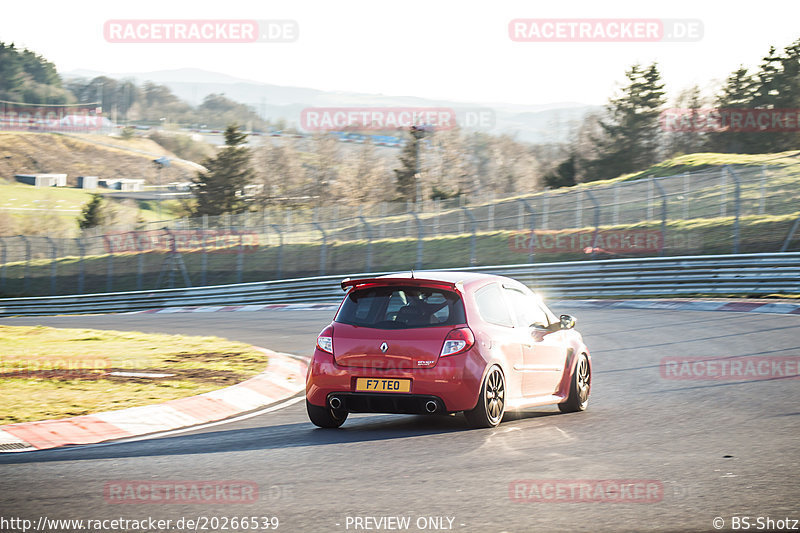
499	335
543	349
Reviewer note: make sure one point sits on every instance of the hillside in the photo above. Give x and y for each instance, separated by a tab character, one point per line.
80	155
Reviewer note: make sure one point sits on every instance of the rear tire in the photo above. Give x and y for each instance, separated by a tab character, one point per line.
325	417
491	407
581	384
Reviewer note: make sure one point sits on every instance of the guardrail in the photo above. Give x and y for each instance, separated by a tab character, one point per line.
750	274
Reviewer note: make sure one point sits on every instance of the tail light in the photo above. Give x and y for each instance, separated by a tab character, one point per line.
458	341
325	340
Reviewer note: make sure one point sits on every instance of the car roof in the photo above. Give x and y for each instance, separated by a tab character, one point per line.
466	279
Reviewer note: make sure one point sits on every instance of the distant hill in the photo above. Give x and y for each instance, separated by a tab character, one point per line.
540	123
29	153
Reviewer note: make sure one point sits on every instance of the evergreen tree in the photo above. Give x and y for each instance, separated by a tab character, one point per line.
563	175
221	188
692	139
789	88
91	214
736	94
631	130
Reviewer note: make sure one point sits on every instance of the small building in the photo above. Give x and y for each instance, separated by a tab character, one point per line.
123	184
43	180
88	182
179	186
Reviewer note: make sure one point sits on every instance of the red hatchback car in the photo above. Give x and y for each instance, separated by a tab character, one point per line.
444	342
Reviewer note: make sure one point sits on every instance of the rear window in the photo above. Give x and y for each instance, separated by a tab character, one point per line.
401	308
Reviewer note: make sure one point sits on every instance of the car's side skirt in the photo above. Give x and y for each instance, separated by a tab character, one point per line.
523	403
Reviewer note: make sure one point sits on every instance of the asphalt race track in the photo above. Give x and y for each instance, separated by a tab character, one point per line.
717	448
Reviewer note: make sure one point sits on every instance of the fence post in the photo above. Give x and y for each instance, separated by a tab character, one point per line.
616	203
81	264
53	264
280	248
420	237
790	235
109	264
687	183
323	250
203	259
663	215
3	262
368	231
25	277
723	185
650	197
437	207
139	267
761	199
596	221
472	241
578	208
545	209
240	258
174	261
736	206
532	219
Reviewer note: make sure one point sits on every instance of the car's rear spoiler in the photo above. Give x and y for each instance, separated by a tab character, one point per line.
407	282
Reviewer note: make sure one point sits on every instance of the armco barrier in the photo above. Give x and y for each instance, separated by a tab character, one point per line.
749	274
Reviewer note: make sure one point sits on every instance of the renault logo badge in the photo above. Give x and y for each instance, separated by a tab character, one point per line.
384	347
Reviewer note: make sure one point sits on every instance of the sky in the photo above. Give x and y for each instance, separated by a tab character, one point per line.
454	50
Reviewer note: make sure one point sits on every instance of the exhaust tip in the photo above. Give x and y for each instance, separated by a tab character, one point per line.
335	402
431	406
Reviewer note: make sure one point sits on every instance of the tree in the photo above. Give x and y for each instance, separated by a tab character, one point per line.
217	110
690	140
406	175
221	189
563	175
737	93
28	77
92	213
361	178
631	137
281	174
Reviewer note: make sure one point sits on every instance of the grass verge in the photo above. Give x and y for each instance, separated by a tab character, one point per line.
48	373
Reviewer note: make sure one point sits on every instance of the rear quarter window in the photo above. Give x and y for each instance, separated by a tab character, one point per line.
401	308
492	306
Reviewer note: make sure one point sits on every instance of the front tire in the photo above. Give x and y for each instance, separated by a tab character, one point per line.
325	417
491	407
581	384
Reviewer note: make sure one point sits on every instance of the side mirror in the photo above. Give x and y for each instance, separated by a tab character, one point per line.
567	321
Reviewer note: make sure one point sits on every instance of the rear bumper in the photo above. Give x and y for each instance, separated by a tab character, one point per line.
454	383
406	404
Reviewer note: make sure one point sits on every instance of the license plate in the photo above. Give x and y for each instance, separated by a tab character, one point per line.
383	385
